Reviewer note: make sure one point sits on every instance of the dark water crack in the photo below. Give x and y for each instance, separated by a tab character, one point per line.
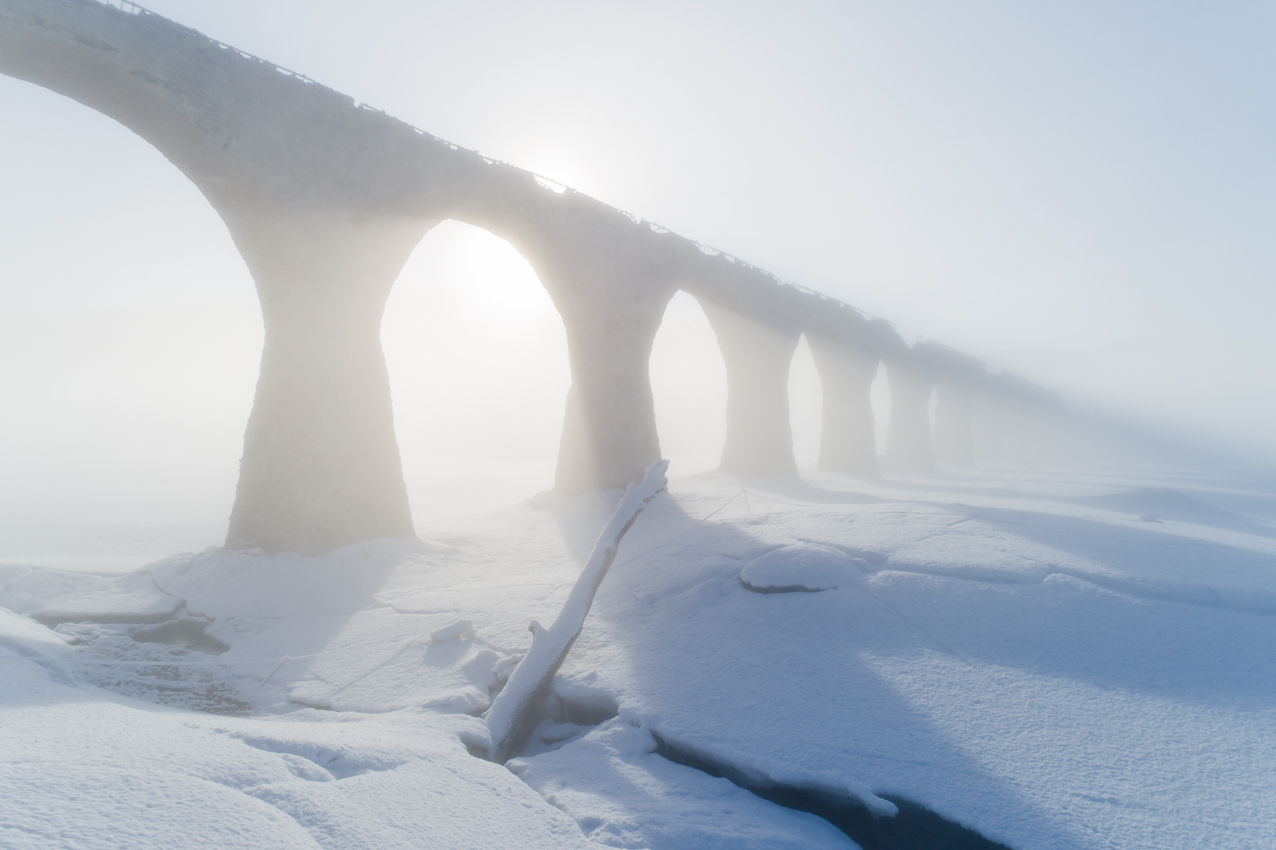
915	827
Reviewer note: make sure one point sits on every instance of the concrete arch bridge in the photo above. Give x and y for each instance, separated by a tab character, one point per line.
325	199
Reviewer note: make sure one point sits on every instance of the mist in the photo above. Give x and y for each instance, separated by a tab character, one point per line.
1078	195
1087	212
730	425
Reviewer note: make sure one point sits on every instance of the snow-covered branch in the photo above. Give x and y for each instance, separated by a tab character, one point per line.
517	708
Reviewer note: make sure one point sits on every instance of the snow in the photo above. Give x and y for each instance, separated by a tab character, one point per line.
802	567
1017	651
85	768
624	795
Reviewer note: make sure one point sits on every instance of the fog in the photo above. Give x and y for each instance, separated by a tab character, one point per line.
1079	195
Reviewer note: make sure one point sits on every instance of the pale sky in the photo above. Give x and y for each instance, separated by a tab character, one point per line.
1081	193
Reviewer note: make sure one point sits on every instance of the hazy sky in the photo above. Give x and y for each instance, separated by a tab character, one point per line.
1081	193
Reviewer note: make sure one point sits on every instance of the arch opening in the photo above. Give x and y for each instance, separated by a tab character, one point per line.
479	374
689	387
879	394
806	405
129	346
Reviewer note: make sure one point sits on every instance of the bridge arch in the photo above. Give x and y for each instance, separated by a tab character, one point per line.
325	221
326	199
479	371
129	340
689	386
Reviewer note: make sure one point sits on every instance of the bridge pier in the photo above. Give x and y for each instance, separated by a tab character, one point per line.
609	430
321	465
847	440
759	433
611	290
908	443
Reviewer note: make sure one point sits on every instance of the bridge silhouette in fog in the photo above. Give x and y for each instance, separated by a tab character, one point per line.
326	198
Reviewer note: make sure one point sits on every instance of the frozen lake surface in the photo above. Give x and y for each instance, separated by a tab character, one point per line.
1052	660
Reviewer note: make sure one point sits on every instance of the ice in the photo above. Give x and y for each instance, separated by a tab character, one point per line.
54	596
1017	652
623	795
1049	677
83	769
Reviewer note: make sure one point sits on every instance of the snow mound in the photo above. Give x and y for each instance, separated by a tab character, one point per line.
802	568
456	631
1157	504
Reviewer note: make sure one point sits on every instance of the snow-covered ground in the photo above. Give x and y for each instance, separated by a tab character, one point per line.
1055	660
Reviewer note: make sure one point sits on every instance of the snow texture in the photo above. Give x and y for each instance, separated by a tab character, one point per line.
84	768
624	795
1018	652
802	567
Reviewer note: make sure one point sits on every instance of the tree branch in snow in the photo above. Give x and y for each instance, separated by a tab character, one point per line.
517	708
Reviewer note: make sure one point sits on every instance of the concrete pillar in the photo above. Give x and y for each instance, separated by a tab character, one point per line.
908	442
954	431
847	440
611	289
321	465
609	431
759	434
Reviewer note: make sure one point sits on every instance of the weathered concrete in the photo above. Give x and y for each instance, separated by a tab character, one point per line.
321	465
847	348
611	281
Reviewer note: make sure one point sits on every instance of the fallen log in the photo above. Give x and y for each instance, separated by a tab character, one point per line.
520	704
